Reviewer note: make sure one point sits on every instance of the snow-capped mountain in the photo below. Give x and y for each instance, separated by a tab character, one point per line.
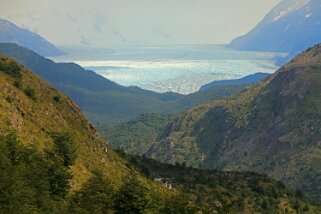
285	8
291	26
10	33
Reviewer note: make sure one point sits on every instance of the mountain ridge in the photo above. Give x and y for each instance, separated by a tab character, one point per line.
272	127
291	26
102	100
10	33
247	80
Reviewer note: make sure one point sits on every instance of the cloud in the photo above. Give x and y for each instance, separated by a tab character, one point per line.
84	40
108	22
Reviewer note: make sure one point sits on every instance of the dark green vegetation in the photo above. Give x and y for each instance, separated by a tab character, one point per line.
10	33
102	100
223	192
33	182
53	161
272	128
137	135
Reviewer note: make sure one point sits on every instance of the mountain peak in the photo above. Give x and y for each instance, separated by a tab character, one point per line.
292	26
287	7
10	33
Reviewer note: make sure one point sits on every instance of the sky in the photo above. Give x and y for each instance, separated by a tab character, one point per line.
137	22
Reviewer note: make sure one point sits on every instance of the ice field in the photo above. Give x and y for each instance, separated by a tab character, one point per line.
182	69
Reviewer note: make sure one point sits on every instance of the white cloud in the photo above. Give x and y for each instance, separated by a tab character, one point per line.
104	22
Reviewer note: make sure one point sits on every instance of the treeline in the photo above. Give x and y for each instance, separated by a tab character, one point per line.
39	182
215	191
34	182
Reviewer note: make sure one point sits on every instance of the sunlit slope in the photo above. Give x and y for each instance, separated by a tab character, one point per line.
273	128
36	111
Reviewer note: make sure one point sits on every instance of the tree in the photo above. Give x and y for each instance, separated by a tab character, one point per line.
24	184
132	198
59	160
178	204
96	196
65	148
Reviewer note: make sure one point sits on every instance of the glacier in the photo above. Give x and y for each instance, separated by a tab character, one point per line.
182	69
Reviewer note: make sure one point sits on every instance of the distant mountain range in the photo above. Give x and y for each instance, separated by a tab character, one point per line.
247	80
104	101
273	127
10	33
292	26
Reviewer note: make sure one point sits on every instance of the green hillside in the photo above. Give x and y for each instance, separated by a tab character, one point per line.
136	135
38	113
272	128
53	161
104	101
225	192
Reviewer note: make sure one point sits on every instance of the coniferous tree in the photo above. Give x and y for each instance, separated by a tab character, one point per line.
24	183
65	148
132	198
96	196
178	204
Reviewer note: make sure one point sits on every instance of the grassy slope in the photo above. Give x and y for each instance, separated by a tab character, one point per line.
35	119
136	135
272	128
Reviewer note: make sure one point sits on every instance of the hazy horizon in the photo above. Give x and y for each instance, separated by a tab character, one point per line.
145	22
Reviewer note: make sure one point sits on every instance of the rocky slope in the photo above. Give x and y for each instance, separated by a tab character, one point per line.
273	128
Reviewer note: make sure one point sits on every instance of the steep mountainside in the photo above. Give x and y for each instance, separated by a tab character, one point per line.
292	26
135	136
102	100
46	142
37	112
273	128
10	33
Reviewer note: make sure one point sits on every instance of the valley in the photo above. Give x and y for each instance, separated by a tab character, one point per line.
272	127
80	173
160	107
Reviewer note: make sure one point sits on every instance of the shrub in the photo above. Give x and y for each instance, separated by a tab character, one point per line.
30	93
17	84
56	98
10	67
